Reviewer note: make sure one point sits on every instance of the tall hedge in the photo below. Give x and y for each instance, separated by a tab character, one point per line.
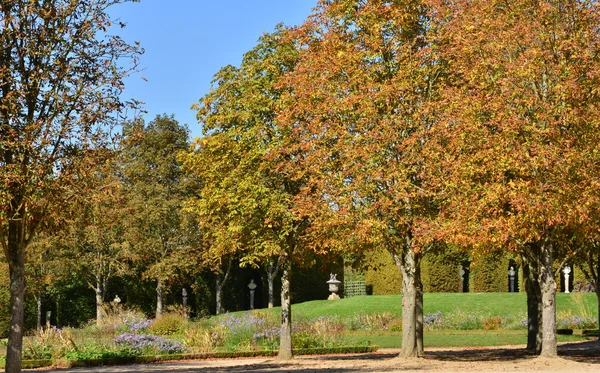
382	275
440	273
489	273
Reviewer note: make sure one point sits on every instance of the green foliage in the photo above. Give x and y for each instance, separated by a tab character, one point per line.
374	321
382	275
48	343
156	188
440	273
168	323
489	273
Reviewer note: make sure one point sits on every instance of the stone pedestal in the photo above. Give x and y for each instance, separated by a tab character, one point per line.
252	287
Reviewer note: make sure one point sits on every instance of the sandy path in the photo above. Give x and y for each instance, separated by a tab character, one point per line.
576	357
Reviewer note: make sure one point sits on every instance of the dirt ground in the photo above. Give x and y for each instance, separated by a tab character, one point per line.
573	358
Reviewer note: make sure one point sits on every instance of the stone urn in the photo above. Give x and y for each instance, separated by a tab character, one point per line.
334	287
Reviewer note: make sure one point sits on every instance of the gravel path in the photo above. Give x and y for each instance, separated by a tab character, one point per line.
575	357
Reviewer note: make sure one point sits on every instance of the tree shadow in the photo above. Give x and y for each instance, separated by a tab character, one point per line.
584	352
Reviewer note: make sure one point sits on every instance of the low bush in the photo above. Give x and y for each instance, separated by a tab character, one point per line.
168	324
146	344
376	321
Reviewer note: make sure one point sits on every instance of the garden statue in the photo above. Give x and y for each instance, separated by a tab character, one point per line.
334	287
511	275
567	272
252	287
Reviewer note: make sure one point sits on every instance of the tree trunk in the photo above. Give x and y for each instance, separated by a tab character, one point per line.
285	337
15	255
17	303
419	306
406	264
271	273
597	288
219	294
534	297
99	302
38	301
160	298
548	286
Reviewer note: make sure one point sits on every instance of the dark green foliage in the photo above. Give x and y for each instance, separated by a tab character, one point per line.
440	273
382	275
310	282
489	273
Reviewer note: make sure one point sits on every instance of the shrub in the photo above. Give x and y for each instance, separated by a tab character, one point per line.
48	343
375	321
145	344
433	321
492	322
168	324
323	331
200	338
239	332
566	320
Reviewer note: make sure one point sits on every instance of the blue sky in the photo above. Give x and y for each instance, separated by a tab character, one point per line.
188	41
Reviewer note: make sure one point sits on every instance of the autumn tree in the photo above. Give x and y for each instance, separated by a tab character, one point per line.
246	204
519	139
60	83
94	243
155	188
360	117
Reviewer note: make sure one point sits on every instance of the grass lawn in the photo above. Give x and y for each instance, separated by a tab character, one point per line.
493	304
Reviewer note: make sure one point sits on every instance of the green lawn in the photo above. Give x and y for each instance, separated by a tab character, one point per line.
493	304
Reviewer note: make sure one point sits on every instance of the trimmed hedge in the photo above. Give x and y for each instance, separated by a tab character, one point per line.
65	363
31	364
382	275
489	274
440	273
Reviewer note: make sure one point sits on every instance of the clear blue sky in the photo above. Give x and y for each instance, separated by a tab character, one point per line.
188	41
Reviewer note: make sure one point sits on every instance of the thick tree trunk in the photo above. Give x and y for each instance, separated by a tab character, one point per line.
38	301
597	288
285	337
15	255
17	304
548	286
419	306
99	302
534	303
160	298
406	265
271	273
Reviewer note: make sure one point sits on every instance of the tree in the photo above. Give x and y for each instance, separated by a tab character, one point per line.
60	83
520	133
246	204
94	243
155	188
360	112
